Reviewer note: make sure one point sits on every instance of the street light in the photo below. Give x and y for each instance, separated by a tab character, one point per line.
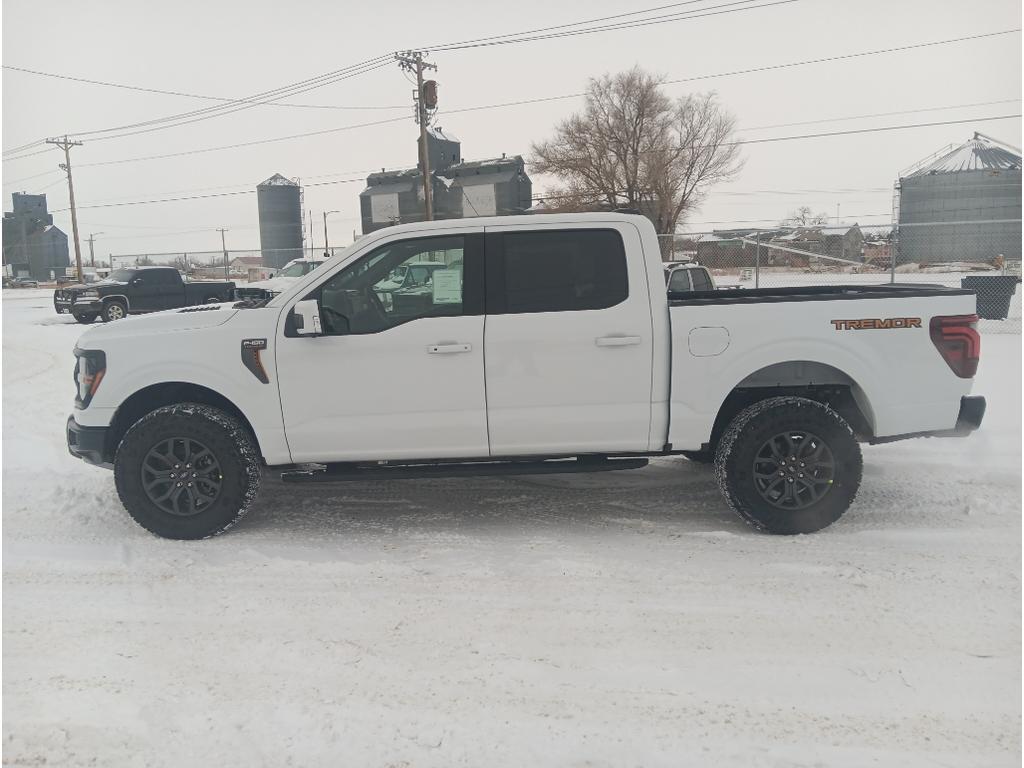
326	248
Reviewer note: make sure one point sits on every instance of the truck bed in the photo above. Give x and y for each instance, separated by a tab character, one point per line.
875	340
812	293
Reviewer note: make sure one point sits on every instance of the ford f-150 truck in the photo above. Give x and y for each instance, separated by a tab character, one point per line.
546	344
135	291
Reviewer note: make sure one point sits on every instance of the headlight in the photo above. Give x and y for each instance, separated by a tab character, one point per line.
88	294
89	372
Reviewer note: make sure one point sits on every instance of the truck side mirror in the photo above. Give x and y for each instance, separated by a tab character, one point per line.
307	318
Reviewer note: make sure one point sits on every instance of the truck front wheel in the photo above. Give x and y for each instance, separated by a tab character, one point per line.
789	465
187	471
114	310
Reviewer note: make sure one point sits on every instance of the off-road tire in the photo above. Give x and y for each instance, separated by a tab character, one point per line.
226	438
114	310
85	317
700	457
748	434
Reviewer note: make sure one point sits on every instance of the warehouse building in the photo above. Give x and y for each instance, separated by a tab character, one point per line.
32	245
961	204
497	187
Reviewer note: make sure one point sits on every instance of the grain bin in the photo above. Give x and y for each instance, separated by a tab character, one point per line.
961	204
280	210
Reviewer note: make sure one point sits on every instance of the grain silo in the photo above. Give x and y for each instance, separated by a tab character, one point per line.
280	209
961	204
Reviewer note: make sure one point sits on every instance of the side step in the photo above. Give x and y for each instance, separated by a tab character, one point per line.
340	473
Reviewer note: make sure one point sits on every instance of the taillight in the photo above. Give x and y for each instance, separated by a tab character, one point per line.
956	337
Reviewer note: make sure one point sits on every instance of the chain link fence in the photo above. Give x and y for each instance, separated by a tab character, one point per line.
873	255
237	265
972	256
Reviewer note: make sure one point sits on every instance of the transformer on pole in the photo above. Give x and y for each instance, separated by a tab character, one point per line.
425	101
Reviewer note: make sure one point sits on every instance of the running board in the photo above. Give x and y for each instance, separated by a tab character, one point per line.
341	473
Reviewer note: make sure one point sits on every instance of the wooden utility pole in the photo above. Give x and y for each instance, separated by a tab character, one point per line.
225	249
412	61
92	253
66	145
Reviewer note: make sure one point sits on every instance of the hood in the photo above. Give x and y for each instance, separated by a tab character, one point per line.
276	284
168	321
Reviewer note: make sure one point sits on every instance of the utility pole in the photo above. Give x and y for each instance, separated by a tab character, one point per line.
92	254
412	61
311	246
326	246
225	249
66	145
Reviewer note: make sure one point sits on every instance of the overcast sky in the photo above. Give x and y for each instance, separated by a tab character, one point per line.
233	49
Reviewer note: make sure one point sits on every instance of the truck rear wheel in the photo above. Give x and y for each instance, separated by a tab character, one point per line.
187	471
789	465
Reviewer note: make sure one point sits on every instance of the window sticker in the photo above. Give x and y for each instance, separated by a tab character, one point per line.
447	286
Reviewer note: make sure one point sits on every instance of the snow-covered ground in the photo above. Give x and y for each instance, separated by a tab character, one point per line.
606	620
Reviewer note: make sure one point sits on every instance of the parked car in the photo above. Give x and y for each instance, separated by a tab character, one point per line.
264	289
688	278
136	291
412	279
25	282
65	279
554	349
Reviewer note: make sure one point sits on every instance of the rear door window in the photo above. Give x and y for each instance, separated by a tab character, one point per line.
701	280
556	271
679	281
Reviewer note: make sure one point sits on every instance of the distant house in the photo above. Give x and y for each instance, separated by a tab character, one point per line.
245	263
842	242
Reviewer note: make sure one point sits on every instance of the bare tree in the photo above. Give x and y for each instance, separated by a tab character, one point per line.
802	217
634	147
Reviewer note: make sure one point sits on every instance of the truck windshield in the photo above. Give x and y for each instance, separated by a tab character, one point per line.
299	268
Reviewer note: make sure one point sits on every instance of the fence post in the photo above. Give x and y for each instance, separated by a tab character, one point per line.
894	250
757	262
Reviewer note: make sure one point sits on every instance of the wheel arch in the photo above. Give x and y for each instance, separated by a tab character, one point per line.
148	399
812	379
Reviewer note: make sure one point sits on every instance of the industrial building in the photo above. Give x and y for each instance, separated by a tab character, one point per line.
962	203
32	245
279	201
497	187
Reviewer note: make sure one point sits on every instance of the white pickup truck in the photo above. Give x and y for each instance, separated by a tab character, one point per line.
542	344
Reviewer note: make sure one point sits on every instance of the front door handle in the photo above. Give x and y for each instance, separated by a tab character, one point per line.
617	341
448	349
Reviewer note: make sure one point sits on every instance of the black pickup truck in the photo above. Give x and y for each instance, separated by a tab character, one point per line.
135	291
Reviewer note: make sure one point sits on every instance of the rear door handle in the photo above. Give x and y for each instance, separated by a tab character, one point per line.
448	349
617	341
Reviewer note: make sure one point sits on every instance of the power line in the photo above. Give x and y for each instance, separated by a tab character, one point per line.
199	197
247	143
193	95
714	10
844	56
370	65
174	121
230	107
737	142
560	97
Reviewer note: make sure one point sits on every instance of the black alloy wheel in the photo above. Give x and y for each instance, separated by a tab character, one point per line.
181	476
